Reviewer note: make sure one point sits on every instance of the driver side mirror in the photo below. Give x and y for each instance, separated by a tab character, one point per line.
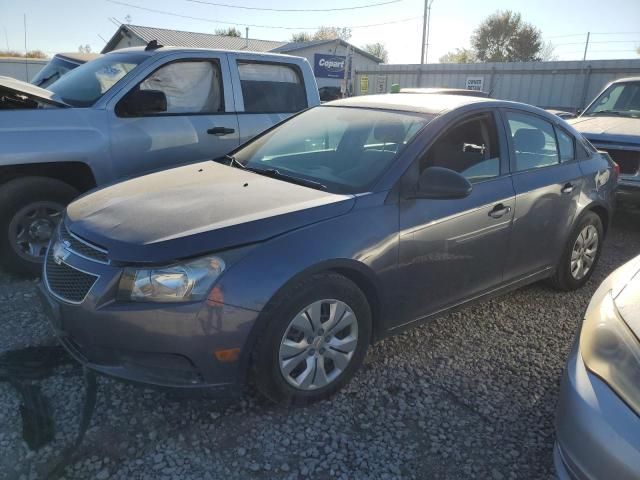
142	102
441	183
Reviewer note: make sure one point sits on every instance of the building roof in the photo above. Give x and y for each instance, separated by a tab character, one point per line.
178	38
293	46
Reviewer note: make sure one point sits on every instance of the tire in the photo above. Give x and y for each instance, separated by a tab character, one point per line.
267	372
563	278
17	197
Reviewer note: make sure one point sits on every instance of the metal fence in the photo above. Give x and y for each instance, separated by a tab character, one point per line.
563	85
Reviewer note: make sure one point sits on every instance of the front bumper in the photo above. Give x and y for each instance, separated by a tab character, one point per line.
598	435
165	345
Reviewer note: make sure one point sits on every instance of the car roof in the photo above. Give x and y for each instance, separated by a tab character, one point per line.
447	90
628	79
169	49
433	103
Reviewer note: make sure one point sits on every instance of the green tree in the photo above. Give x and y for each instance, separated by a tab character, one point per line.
377	50
459	55
505	37
228	32
301	37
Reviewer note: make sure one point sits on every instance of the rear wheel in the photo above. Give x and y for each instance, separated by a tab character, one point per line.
315	340
581	254
30	209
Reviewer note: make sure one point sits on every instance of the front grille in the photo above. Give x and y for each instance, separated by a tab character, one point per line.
628	160
82	248
66	282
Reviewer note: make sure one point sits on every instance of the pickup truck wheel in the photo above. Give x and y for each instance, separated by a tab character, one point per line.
30	209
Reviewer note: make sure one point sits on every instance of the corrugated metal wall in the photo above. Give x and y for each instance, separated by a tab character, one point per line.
565	85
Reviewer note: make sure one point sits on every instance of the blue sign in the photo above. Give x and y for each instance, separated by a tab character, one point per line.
328	66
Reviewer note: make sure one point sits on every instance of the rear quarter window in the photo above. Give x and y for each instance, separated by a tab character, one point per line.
271	88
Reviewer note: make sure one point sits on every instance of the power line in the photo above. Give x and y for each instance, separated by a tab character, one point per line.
210	20
295	9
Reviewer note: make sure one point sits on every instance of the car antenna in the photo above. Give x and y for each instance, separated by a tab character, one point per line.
153	45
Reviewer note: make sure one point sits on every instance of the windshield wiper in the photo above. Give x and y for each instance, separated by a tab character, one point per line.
275	173
230	161
608	112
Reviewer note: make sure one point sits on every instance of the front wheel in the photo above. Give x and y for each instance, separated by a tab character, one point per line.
581	254
315	340
30	209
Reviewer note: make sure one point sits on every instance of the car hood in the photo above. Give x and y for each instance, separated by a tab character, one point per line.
608	129
14	86
195	209
627	296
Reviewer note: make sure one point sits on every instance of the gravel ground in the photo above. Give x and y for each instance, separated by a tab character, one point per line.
469	395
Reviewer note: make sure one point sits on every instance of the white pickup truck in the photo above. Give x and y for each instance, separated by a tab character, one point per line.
125	113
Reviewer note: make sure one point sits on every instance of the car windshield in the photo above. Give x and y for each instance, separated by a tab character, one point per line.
83	86
620	99
344	149
52	71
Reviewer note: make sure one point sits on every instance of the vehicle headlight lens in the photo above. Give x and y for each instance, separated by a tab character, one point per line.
612	351
182	282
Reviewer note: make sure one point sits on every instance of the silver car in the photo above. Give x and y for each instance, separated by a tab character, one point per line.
612	123
126	113
598	419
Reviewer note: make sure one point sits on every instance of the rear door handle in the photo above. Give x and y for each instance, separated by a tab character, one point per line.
568	188
499	210
220	131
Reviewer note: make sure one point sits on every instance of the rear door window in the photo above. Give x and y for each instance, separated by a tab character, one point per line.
566	146
534	141
271	88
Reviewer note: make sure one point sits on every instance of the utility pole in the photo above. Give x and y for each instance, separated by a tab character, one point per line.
586	46
26	62
426	48
424	30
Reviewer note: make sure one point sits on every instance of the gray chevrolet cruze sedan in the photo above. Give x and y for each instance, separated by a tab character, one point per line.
281	263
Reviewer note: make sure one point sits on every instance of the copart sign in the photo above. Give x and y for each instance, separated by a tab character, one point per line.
328	66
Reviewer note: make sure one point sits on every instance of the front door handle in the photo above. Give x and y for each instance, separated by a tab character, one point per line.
499	210
220	131
568	188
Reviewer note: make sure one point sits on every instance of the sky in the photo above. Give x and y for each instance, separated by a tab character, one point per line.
62	25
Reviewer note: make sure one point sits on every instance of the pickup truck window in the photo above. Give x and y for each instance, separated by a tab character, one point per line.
83	86
190	86
271	88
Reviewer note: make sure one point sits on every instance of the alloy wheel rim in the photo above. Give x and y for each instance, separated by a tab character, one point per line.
31	228
584	252
318	344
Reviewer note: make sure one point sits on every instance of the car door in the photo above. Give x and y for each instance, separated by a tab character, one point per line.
454	249
267	92
199	122
547	182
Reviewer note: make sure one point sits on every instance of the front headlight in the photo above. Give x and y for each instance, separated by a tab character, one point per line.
611	350
181	282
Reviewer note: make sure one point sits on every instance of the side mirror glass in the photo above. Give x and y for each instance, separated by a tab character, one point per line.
442	183
142	102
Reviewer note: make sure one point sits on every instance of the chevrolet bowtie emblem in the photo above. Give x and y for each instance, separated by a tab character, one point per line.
60	252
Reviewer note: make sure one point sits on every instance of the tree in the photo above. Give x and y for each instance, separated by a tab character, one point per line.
505	37
332	33
301	37
228	32
377	50
29	54
459	55
84	48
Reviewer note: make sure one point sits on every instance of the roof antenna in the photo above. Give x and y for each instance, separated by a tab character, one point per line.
153	45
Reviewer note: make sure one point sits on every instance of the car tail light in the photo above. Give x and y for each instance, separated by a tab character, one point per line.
616	168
